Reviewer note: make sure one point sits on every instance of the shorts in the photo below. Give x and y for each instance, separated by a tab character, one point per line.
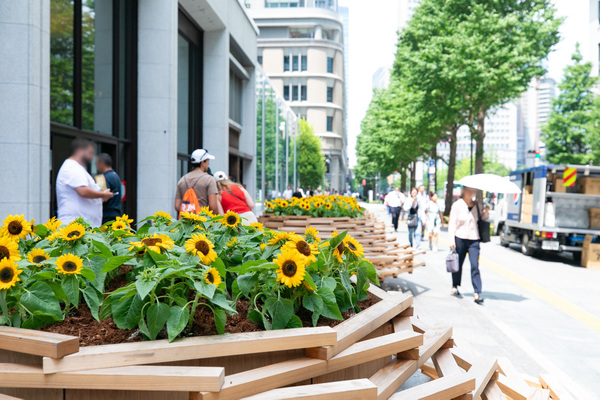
433	225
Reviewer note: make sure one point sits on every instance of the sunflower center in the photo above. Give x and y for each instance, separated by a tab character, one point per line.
303	248
202	247
15	227
69	266
210	277
4	252
151	241
73	234
6	275
231	220
289	268
340	248
351	246
39	259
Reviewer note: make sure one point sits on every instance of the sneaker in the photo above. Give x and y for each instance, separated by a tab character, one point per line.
456	293
477	299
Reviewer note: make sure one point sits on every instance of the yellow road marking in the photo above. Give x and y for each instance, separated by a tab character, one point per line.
565	306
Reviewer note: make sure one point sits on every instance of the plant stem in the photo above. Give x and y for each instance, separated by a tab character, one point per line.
4	306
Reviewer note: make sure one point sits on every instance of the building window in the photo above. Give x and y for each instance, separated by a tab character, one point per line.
329	94
286	93
236	91
330	65
295	63
286	63
304	63
303	93
302	33
295	93
259	59
329	124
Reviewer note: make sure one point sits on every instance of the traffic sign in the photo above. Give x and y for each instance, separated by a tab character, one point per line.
569	177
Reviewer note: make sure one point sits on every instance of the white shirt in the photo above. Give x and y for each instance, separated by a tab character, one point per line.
70	204
463	222
287	194
394	199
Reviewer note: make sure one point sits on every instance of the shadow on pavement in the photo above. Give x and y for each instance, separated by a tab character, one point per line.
401	285
497	296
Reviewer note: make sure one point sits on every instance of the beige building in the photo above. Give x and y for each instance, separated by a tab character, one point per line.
300	47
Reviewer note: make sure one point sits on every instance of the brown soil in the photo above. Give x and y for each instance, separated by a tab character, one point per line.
120	280
93	333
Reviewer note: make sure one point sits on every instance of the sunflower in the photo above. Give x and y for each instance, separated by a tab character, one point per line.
192	217
200	246
258	226
339	250
16	227
9	249
328	205
9	274
119	225
298	243
231	219
125	218
280	237
162	214
207	211
37	256
71	232
154	242
52	238
311	232
53	224
232	242
212	277
69	264
262	246
353	246
291	267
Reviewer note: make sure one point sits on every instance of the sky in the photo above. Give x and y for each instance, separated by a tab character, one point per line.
372	40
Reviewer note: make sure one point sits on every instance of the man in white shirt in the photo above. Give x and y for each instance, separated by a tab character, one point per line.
395	200
77	193
287	194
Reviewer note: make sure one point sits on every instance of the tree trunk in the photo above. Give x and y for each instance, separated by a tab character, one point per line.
433	178
451	169
479	150
403	179
413	175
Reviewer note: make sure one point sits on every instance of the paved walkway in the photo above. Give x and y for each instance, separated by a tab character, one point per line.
542	313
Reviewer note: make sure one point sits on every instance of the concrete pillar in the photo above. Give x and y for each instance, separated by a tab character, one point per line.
25	108
157	106
216	98
248	138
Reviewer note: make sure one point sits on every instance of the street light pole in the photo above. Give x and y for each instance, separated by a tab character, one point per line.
287	153
276	147
330	170
263	187
295	150
471	165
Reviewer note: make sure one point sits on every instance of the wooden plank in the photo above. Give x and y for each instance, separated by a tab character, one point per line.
116	355
493	392
444	363
482	370
277	375
540	394
514	377
428	369
512	389
433	340
38	343
358	389
150	378
7	397
360	325
557	391
439	389
392	376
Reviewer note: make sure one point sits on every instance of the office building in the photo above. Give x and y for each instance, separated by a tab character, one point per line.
301	49
381	78
147	80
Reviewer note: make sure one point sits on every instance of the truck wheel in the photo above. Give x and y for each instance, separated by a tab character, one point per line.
525	249
503	234
577	257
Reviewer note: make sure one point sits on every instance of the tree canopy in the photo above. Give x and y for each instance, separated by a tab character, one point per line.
311	162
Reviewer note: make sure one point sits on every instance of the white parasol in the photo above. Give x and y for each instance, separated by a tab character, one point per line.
490	183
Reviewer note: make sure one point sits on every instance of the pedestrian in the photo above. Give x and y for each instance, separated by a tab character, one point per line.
464	237
287	194
423	200
395	200
411	206
111	209
233	197
77	194
434	221
298	193
203	184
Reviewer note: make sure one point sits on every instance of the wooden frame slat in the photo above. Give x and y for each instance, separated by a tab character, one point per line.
38	343
358	389
439	389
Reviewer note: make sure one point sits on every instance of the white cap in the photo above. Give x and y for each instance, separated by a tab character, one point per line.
220	176
200	155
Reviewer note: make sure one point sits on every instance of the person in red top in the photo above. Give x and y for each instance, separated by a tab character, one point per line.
234	197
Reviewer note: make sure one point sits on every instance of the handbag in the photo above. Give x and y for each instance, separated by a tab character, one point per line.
483	227
412	220
452	261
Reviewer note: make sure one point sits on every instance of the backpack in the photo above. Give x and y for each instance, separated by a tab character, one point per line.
189	202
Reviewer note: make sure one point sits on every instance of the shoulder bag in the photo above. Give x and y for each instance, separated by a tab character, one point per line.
483	227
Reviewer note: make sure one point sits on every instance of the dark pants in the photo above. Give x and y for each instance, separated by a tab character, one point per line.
108	219
395	215
411	236
464	246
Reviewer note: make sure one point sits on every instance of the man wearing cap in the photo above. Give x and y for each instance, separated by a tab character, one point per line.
200	180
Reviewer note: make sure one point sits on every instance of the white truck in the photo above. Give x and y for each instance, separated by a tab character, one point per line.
546	215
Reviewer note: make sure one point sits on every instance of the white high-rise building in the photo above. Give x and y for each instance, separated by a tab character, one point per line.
381	77
406	9
592	47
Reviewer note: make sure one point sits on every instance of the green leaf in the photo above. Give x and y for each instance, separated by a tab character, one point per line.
281	311
205	289
309	280
220	320
103	249
313	302
255	317
221	301
39	319
70	285
333	243
178	319
92	299
115	262
330	308
329	283
43	275
41	298
295	322
144	328
88	274
247	283
347	284
41	230
128	312
144	287
157	257
156	318
96	265
220	267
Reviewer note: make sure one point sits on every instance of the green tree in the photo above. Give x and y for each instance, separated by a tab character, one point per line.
571	132
310	159
271	161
